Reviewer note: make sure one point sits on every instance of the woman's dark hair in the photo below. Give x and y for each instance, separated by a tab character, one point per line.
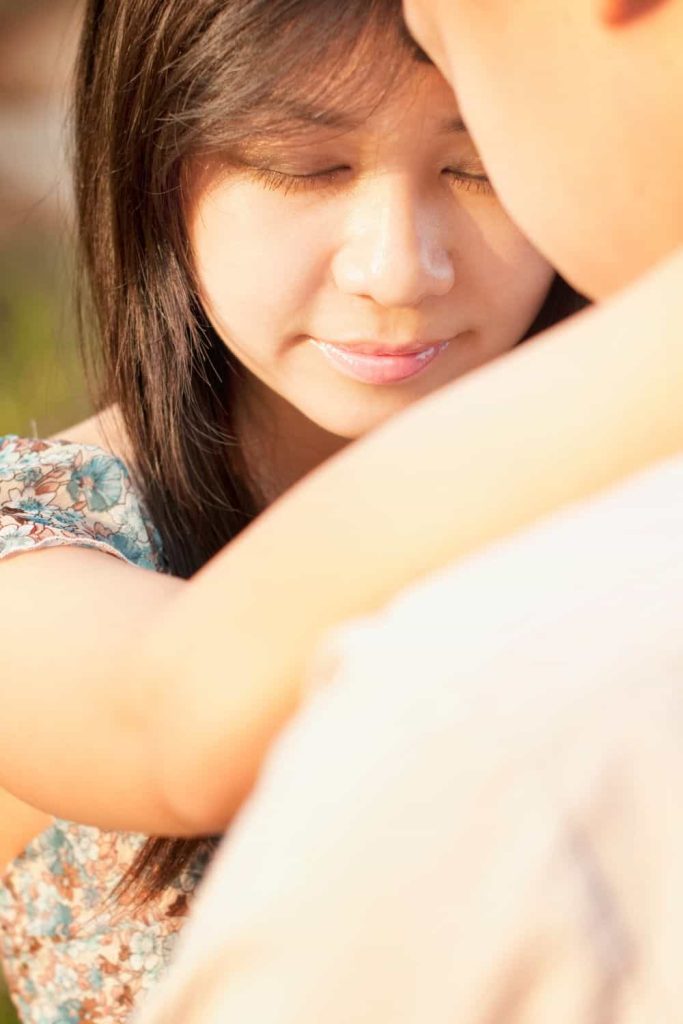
159	82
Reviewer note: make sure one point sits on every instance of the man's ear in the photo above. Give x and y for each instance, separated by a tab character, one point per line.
621	12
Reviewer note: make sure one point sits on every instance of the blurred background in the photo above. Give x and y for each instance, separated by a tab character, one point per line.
41	386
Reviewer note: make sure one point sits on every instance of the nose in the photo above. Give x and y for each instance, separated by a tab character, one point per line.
395	249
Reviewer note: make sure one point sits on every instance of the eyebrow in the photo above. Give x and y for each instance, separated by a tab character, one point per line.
307	115
452	126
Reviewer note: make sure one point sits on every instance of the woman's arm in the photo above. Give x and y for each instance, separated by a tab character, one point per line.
19	824
596	400
75	723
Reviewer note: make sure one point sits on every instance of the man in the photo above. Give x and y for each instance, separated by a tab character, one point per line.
568	103
477	815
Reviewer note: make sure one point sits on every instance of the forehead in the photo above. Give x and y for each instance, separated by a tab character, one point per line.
443	28
423	93
429	23
350	76
419	104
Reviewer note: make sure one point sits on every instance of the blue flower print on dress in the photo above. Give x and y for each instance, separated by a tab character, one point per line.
99	482
70	1013
56	493
65	959
15	537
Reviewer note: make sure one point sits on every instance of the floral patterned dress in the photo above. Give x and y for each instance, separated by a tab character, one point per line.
71	954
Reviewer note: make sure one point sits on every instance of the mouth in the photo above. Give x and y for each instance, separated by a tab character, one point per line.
376	364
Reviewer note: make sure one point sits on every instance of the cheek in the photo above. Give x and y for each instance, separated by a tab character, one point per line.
539	185
493	87
506	277
258	264
510	64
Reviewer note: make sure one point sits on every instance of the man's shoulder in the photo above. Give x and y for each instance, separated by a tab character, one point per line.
592	586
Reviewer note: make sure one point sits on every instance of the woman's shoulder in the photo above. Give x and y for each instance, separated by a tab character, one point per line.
104	430
75	488
104	433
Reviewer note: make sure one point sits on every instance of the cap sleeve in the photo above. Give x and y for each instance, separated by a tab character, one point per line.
55	493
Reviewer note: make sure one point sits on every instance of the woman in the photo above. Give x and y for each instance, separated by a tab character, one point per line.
288	238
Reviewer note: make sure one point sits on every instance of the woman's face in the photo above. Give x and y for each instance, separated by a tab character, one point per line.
354	268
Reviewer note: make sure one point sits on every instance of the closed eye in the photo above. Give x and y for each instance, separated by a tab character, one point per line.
470	182
286	182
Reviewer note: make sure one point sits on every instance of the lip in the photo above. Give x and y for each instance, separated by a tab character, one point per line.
371	363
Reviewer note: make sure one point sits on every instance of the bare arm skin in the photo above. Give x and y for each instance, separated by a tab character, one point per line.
72	733
156	714
20	824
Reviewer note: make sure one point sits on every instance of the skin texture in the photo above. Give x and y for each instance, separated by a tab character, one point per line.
597	188
406	244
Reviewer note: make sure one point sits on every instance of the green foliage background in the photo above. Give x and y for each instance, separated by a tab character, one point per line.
41	385
7	1015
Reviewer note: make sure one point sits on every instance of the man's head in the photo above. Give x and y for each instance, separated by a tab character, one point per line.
575	106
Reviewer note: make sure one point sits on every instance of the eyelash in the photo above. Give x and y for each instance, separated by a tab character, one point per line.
278	181
471	182
289	183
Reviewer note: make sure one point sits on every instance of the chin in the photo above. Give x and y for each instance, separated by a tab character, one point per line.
354	426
